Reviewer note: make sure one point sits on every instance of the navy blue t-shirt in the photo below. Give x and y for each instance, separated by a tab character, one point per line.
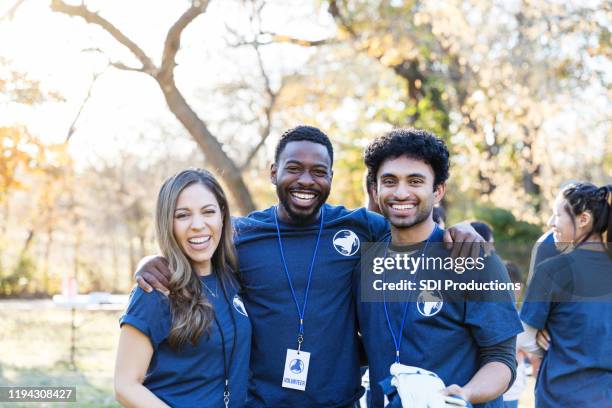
329	322
443	336
193	375
544	249
570	297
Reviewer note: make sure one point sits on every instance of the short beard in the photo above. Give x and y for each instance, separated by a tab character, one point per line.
297	218
420	217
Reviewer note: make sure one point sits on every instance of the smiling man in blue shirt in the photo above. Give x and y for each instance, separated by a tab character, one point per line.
469	344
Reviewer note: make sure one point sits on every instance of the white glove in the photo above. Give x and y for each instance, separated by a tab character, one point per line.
419	388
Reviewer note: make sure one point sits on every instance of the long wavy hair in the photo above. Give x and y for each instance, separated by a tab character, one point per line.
192	312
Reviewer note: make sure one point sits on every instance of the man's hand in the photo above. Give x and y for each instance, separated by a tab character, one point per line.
543	339
454	390
153	272
465	241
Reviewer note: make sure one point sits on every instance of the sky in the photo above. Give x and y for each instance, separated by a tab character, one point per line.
127	107
51	48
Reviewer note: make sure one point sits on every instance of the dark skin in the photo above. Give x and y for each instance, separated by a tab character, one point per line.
302	176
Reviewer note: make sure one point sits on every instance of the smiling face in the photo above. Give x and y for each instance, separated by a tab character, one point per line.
564	230
566	227
302	176
405	191
197	225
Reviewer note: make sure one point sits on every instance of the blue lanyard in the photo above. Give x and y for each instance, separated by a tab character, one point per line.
397	341
301	311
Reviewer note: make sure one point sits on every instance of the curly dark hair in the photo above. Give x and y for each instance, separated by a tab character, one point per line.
414	143
307	133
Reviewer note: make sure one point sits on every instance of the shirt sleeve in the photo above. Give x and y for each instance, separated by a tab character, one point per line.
504	352
493	317
551	283
543	249
379	227
149	313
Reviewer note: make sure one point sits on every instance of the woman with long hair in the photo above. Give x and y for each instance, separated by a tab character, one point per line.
570	297
190	347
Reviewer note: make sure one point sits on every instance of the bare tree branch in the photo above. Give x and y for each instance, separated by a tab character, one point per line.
116	64
254	151
266	128
210	146
334	10
91	17
275	38
123	67
281	38
268	111
10	14
173	38
72	128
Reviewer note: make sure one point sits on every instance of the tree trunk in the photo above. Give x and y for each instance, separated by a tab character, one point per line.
114	263
223	166
132	256
27	243
5	216
47	257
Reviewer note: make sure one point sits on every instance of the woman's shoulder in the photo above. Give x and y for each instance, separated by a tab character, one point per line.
152	302
557	262
149	312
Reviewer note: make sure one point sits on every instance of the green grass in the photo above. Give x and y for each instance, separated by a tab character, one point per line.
35	351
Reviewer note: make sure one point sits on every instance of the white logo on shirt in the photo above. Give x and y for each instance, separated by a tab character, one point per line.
346	242
429	302
239	306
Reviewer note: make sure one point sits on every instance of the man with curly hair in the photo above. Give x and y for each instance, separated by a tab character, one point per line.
469	345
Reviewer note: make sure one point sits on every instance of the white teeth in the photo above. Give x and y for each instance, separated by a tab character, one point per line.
403	207
200	240
303	196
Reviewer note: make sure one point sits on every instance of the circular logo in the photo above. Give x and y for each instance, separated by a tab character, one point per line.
239	305
429	302
346	242
296	366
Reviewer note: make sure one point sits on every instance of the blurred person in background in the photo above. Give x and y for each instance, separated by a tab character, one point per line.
569	296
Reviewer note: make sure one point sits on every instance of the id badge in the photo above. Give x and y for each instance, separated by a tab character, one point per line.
296	370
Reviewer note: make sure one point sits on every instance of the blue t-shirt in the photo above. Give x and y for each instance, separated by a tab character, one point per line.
193	375
546	248
570	297
442	336
330	333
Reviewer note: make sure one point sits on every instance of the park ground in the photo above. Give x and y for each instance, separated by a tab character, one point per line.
35	349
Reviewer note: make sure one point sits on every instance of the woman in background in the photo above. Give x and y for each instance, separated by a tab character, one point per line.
570	297
191	347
